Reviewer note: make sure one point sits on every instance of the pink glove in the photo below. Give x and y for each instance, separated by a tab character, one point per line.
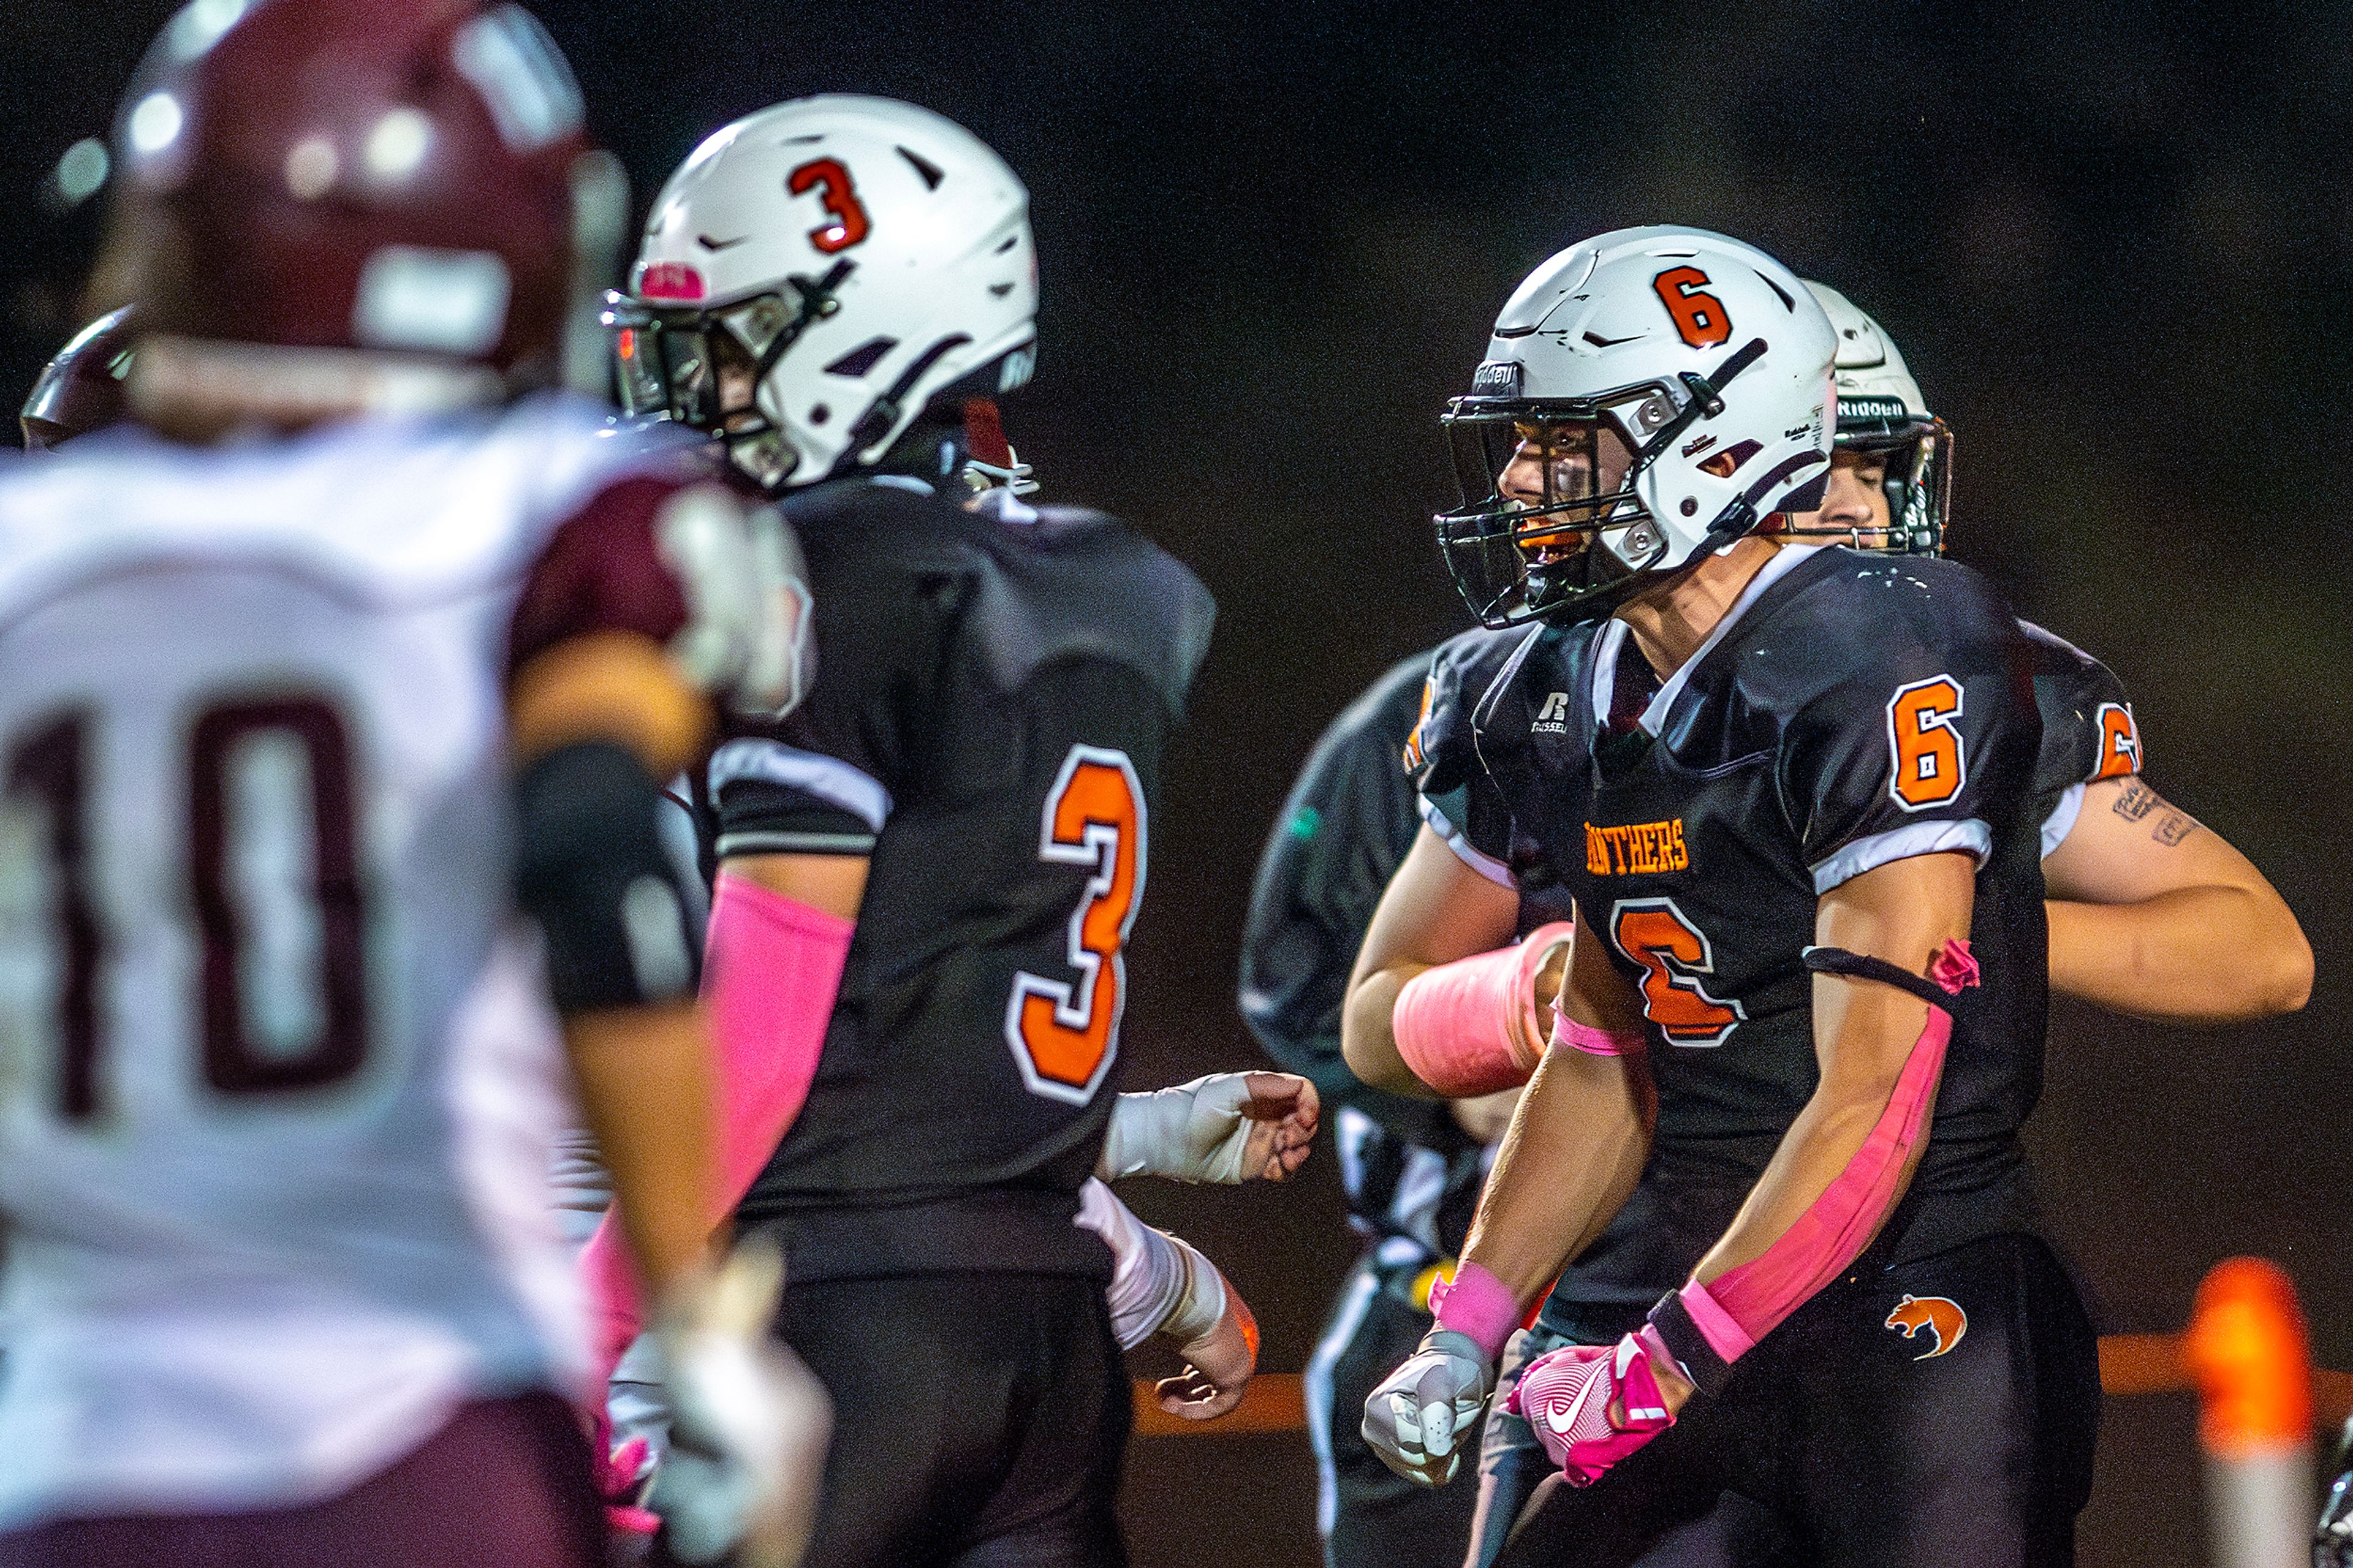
1565	1396
618	1481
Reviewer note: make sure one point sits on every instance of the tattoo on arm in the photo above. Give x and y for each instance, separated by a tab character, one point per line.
2138	801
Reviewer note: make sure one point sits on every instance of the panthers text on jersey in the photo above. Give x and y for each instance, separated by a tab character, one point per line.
1850	711
278	1074
994	692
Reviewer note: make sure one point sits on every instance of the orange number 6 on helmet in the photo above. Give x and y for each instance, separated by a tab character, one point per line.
1700	319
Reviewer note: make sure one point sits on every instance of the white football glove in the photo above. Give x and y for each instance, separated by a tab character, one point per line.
749	1424
1227	1127
1419	1420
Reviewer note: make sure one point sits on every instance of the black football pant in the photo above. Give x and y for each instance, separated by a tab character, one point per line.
979	1420
1842	1443
1369	1516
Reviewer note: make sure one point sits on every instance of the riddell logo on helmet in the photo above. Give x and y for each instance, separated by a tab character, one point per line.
1938	1316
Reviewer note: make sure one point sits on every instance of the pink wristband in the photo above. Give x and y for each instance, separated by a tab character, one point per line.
1567	1031
1476	1303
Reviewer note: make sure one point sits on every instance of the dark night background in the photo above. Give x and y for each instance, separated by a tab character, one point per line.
2113	245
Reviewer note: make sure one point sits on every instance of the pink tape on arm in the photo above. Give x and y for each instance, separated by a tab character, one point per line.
1471	1027
1832	1232
1476	1303
772	970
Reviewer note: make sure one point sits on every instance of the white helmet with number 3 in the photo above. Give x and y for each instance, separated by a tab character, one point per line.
818	272
1649	395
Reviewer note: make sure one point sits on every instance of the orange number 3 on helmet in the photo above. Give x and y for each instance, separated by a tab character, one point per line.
831	180
1064	1035
1930	760
1700	319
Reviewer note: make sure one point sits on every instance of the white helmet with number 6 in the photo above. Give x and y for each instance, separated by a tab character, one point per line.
1649	395
817	273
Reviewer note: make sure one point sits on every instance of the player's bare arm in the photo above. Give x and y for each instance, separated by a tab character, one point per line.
1569	1161
1436	910
1865	1032
1577	1143
643	1067
2156	915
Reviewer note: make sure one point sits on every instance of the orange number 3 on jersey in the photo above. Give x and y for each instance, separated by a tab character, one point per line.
1675	955
1930	760
1065	1035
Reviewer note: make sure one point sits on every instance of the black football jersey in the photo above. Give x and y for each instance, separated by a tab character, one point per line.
1853	710
2088	730
993	694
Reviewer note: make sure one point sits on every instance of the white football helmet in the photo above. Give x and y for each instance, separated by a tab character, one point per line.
817	273
1882	410
1649	395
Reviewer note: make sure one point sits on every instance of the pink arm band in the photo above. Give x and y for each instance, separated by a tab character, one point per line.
773	967
1476	1303
1470	1027
1567	1031
1743	1304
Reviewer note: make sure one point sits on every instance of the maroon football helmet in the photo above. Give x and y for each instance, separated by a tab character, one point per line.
81	389
397	176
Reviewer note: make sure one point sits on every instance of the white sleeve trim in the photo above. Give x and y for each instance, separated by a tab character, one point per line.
1902	844
2062	820
1487	866
829	779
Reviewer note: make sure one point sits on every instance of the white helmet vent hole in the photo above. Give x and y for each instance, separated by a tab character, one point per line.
1010	242
863	358
932	173
819	414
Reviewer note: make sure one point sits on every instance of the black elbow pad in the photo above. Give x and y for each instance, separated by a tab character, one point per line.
591	869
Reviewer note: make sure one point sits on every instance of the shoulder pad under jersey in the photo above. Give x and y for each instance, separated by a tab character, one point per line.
1074	583
2089	731
1443	753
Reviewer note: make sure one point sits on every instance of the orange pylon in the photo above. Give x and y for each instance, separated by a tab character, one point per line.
2248	1350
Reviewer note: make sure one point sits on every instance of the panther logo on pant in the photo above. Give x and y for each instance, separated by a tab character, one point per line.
1939	1316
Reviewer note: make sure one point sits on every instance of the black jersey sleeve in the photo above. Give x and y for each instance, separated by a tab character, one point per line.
2089	731
824	779
1922	734
1347	823
1459	798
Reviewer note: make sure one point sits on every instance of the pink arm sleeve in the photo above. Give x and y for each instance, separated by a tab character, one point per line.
1743	1304
772	971
1470	1027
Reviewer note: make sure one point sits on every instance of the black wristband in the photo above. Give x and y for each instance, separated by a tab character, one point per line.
1681	1335
1862	966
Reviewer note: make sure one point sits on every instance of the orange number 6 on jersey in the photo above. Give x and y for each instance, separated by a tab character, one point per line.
1930	760
1064	1035
1675	955
1699	318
